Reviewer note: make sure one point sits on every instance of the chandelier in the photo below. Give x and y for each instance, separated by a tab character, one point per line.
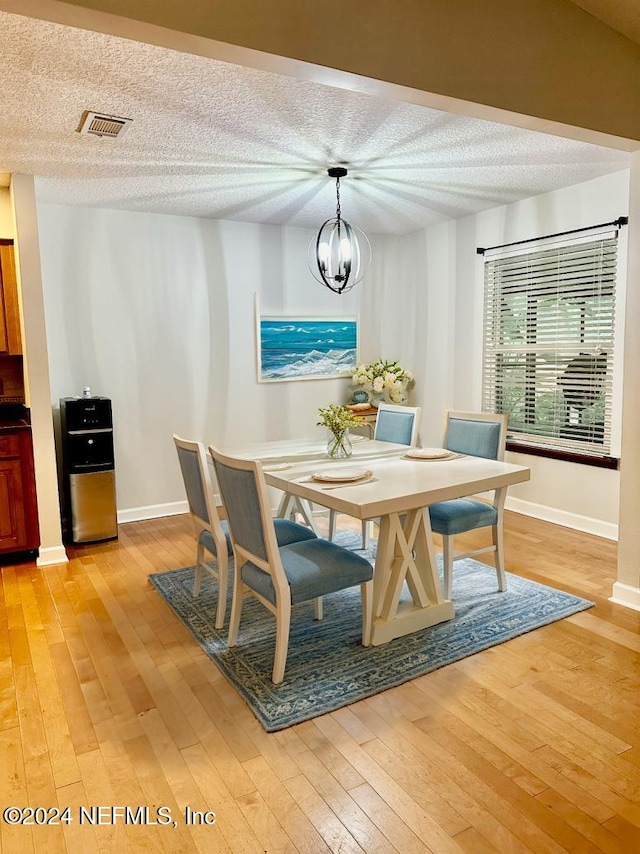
340	254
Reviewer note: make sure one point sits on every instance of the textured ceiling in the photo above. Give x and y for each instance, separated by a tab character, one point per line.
217	140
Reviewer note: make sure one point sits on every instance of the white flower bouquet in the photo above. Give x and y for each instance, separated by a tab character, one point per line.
381	376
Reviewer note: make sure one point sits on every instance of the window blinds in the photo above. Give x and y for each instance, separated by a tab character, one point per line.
548	344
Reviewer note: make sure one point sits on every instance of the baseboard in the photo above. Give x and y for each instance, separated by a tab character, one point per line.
586	524
152	511
608	530
51	555
624	594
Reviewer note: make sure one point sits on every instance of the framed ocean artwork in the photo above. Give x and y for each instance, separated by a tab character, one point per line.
306	348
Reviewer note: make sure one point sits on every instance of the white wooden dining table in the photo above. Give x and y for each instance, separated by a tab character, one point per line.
398	491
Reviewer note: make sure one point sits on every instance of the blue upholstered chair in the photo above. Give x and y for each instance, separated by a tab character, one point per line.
278	575
212	535
399	424
476	435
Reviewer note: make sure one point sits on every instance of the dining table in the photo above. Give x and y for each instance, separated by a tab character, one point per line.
382	481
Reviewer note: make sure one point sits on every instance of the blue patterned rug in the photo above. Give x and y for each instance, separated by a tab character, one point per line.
327	667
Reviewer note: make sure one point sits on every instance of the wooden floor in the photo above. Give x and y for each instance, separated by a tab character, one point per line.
106	701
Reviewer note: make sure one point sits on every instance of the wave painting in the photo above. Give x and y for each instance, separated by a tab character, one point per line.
293	349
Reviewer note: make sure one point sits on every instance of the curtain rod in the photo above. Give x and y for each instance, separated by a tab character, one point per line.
622	220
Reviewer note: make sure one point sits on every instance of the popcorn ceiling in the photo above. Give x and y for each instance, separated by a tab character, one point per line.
212	139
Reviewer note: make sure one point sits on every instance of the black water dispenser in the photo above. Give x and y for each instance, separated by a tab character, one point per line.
86	427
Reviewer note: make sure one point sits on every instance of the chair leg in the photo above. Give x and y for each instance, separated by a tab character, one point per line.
366	592
236	608
283	621
318	611
332	525
447	564
197	581
498	542
223	582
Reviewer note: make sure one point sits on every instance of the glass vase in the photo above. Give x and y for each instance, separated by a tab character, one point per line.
339	446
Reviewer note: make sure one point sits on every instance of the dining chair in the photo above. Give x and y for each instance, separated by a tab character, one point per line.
280	576
399	424
476	435
212	533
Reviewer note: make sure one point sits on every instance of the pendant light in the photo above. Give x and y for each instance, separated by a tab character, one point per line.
340	254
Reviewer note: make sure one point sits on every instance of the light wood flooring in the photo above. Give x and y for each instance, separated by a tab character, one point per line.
105	700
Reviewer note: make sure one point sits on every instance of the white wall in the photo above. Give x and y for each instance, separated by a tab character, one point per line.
627	588
575	495
157	313
37	378
426	308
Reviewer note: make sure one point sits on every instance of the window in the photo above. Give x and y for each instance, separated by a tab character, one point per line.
548	345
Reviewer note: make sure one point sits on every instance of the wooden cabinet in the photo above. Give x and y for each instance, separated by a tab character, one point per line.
10	338
18	508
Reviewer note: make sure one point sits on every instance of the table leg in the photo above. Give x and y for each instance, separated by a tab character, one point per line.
406	553
291	504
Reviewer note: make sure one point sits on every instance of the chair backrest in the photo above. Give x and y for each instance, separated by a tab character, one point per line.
197	480
480	434
246	499
397	424
194	466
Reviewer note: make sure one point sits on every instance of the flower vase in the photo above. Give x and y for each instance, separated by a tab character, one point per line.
339	445
399	397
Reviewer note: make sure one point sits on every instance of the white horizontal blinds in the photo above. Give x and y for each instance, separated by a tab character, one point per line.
548	357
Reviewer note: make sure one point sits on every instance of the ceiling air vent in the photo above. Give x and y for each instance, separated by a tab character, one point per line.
99	124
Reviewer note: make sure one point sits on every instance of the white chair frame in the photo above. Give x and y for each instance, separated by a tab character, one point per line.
273	565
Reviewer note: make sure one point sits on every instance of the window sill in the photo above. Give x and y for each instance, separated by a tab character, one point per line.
566	456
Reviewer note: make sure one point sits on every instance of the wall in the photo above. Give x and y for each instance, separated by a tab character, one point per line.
426	308
30	290
157	313
575	495
627	588
18	222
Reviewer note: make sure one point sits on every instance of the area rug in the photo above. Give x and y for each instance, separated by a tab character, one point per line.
327	667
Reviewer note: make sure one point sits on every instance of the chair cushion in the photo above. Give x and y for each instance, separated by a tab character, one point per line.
460	515
291	532
286	532
313	568
206	538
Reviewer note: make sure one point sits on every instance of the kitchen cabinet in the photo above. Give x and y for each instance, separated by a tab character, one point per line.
18	507
10	338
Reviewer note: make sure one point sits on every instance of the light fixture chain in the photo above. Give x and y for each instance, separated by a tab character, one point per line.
337	198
